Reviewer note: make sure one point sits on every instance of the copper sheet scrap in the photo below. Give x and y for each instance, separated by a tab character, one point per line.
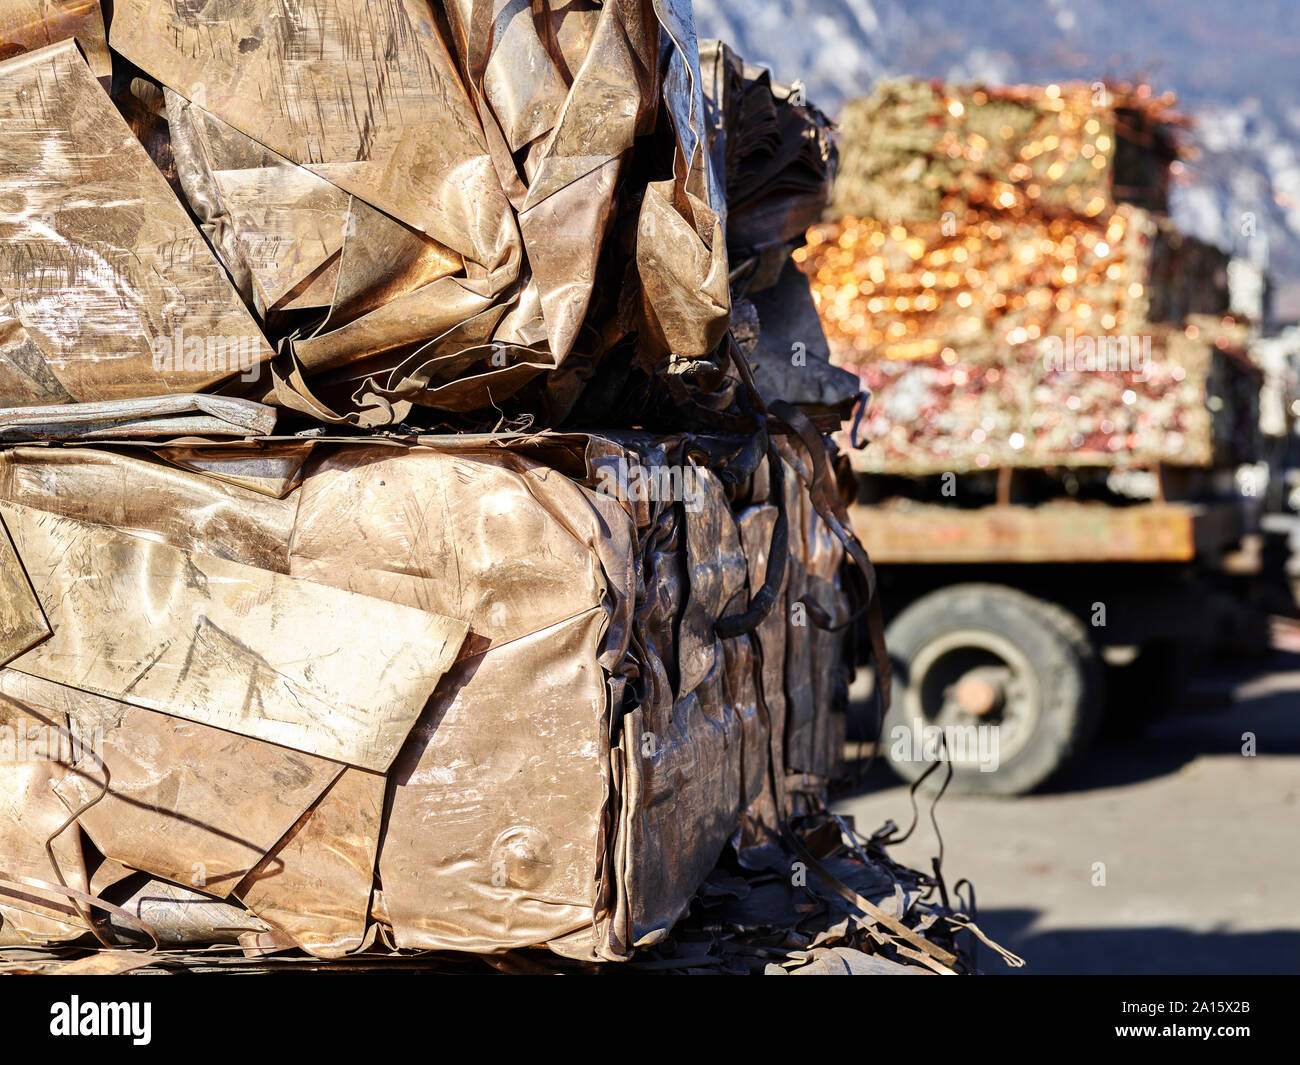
270	221
22	622
148	416
450	533
132	493
497	803
502	145
274	471
315	886
24	377
30	813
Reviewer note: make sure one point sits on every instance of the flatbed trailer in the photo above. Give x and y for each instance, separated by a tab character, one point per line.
1008	622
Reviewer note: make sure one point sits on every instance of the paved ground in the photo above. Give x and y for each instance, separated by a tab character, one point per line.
1201	845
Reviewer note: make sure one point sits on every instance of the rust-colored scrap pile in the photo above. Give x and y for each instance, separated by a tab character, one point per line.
413	538
998	268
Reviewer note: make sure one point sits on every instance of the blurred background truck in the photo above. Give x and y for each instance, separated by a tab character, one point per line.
1065	464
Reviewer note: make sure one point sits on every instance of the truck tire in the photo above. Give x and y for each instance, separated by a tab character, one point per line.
977	655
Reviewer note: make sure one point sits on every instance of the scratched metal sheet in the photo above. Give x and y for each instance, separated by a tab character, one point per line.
504	146
763	815
685	789
268	219
450	533
274	470
541	569
260	654
184	801
97	257
497	802
22	623
315	886
24	376
147	416
27	25
30	813
133	494
364	94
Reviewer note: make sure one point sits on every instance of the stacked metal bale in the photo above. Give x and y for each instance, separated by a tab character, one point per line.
399	552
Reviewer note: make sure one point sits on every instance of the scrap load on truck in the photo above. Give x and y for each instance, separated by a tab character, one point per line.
998	269
400	555
1057	396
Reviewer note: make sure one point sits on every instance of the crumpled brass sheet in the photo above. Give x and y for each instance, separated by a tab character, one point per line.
761	825
503	145
22	622
800	695
29	815
801	752
814	670
775	149
27	25
97	258
531	804
498	801
449	533
24	377
273	224
184	801
365	95
183	917
146	498
222	643
716	575
409	143
148	416
315	886
788	317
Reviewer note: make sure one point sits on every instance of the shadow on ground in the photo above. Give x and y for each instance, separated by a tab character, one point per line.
1141	951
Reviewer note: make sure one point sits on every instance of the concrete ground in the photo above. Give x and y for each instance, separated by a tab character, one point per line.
1201	844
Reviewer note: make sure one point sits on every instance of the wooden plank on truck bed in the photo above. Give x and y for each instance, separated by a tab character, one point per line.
903	532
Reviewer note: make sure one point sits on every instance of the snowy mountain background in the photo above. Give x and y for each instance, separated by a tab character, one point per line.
1235	67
